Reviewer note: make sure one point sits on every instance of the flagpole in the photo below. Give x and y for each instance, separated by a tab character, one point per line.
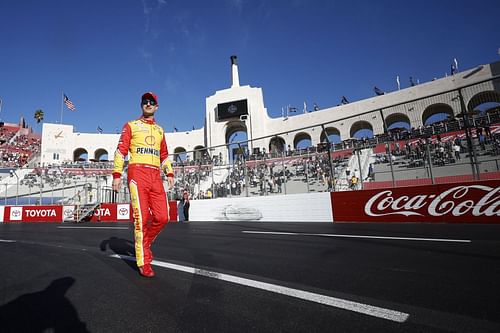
62	105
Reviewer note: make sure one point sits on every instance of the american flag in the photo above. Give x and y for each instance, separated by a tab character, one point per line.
69	103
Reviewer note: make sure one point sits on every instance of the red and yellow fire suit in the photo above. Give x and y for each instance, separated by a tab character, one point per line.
144	141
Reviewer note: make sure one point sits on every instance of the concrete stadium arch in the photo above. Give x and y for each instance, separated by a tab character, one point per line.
299	138
483	97
361	129
397	120
180	154
101	154
277	145
80	154
436	112
233	127
332	133
199	152
235	132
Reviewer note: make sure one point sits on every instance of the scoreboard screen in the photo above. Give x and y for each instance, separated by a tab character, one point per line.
232	109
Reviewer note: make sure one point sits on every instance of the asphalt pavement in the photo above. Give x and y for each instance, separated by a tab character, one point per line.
252	277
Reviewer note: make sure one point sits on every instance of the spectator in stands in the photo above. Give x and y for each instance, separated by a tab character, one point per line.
456	149
353	184
371	173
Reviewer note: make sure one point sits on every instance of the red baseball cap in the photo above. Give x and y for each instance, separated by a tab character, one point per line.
150	95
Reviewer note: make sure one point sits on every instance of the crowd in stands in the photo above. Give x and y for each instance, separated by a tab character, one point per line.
264	177
16	149
443	149
265	172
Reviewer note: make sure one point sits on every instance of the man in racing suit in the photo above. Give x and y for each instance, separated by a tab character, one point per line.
144	141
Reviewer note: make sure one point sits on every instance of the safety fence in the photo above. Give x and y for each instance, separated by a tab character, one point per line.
450	137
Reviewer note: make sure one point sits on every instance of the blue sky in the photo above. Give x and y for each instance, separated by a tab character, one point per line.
104	54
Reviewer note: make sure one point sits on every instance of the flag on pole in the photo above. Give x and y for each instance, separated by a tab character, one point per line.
99	129
305	107
292	109
378	91
397	80
69	104
344	100
456	64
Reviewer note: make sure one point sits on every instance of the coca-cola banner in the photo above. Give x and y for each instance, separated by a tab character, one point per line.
33	213
469	202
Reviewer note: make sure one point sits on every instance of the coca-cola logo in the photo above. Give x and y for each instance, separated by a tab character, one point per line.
456	201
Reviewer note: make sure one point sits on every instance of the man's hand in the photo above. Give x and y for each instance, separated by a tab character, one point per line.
117	184
170	182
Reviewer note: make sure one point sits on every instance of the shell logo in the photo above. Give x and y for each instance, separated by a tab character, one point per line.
150	140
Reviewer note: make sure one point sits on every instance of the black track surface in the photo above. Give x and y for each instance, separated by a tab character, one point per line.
57	279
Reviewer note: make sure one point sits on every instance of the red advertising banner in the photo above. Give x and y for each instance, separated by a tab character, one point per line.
112	213
123	213
33	213
106	213
469	202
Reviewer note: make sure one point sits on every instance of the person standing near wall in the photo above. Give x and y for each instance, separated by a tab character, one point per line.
185	205
144	141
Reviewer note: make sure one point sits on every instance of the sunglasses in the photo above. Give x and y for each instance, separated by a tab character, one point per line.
148	101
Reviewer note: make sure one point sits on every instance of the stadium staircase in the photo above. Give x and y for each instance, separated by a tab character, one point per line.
84	213
83	210
366	157
220	175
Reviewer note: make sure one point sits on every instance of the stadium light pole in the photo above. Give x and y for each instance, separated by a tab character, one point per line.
12	174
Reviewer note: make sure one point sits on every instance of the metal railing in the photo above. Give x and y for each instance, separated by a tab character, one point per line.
463	147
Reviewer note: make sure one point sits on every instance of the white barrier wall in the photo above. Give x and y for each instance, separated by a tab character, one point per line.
305	207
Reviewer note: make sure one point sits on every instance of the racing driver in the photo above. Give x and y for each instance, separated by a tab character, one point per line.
144	141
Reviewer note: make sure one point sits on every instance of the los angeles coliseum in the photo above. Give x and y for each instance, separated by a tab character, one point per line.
404	159
412	106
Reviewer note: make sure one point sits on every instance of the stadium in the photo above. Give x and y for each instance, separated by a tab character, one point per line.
443	131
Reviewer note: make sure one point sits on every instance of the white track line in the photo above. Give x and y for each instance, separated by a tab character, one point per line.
71	227
366	309
359	236
7	241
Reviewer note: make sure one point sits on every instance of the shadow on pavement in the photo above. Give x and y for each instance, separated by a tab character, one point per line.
45	311
122	247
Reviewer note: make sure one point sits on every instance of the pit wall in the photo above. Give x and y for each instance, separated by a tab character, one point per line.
466	202
304	207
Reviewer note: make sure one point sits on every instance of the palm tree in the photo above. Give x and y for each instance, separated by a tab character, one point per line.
39	116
